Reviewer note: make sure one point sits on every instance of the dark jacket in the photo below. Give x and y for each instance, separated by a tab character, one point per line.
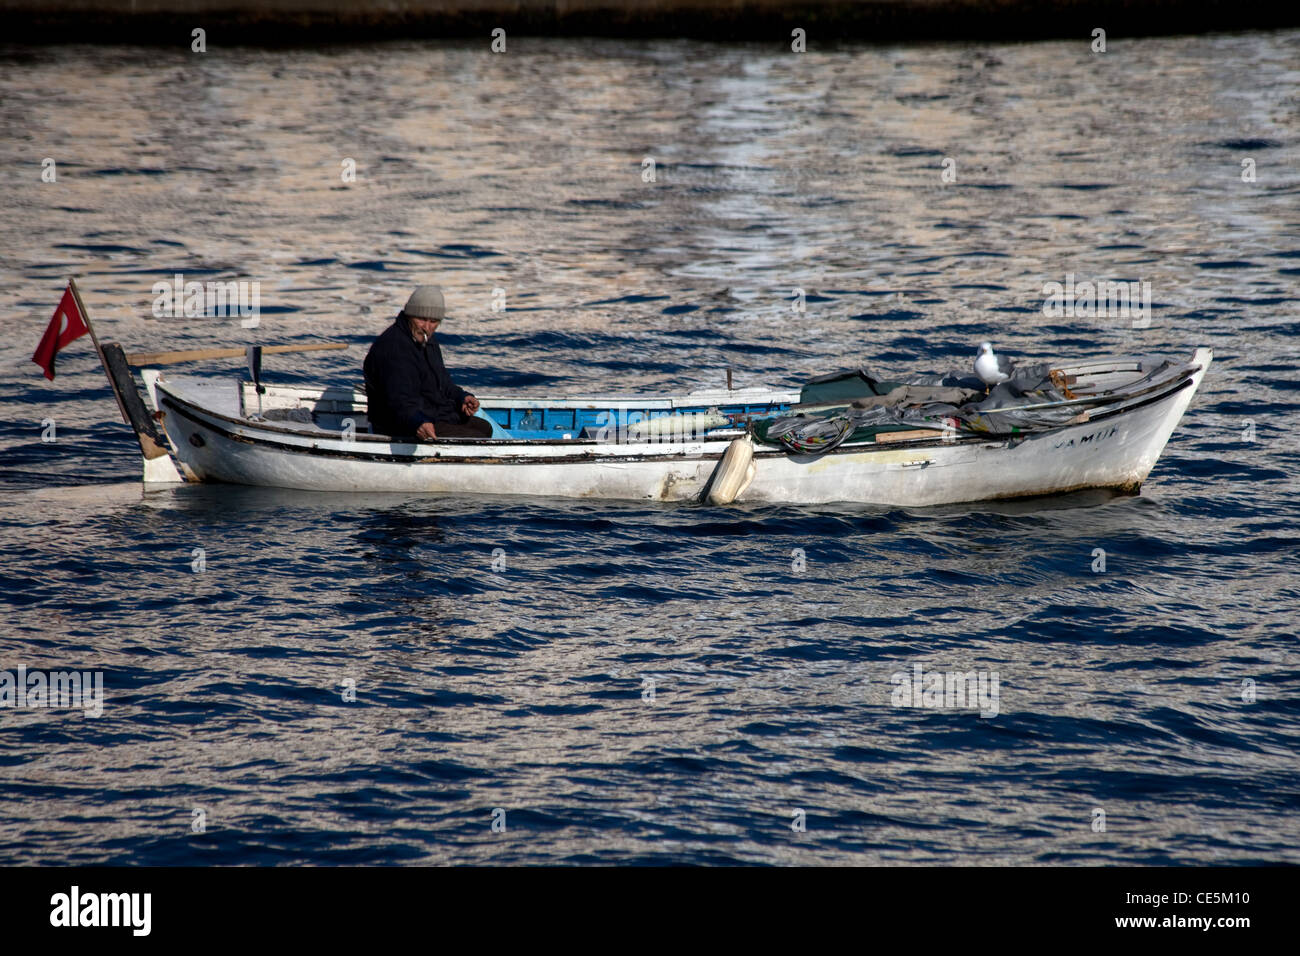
407	384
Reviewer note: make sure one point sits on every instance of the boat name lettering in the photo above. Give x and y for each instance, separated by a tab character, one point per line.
1089	438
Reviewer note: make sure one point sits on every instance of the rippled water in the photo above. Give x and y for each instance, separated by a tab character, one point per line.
644	682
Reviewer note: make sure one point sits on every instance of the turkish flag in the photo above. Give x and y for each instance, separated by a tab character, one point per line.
68	324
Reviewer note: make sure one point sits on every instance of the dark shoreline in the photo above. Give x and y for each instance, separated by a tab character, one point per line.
295	22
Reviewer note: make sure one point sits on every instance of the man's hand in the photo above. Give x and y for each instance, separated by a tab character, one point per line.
469	406
425	432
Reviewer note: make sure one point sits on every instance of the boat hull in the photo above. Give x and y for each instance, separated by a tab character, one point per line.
1114	451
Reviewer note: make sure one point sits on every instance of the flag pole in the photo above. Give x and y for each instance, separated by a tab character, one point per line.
85	316
158	465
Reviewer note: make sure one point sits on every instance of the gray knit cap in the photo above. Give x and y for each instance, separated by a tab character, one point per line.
426	303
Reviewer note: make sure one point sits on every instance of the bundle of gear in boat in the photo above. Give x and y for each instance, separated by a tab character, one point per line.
857	406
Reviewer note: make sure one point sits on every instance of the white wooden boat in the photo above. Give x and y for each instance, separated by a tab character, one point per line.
318	439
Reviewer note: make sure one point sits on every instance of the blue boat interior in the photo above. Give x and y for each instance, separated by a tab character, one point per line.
535	422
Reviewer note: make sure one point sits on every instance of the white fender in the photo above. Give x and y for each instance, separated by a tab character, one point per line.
734	472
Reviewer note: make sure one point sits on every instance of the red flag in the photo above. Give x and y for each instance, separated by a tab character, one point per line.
68	324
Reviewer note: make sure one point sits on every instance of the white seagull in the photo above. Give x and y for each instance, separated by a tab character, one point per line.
990	368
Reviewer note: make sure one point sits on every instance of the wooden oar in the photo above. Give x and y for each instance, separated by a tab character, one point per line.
197	355
912	434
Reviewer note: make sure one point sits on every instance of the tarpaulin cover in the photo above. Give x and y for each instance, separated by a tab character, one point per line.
842	387
856	405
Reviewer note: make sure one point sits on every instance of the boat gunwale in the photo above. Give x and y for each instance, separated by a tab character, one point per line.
698	399
1179	376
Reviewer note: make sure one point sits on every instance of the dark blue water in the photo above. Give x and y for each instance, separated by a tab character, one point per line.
634	682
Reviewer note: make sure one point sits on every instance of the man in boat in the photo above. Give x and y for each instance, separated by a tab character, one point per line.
408	388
